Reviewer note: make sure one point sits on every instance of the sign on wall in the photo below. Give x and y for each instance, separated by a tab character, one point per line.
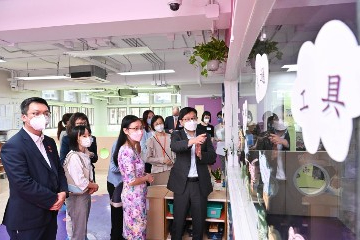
326	96
262	76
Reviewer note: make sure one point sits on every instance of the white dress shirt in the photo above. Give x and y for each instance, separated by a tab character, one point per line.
193	169
39	143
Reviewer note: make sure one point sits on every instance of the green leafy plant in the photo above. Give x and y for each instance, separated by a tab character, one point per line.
217	174
266	46
213	50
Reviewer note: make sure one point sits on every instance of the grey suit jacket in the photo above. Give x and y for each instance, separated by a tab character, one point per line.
179	172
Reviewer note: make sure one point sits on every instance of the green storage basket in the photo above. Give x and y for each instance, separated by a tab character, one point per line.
214	209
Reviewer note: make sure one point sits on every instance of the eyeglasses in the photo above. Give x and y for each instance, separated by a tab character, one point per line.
137	129
37	114
190	119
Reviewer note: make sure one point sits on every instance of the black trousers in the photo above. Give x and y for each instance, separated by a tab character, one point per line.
193	198
47	232
116	217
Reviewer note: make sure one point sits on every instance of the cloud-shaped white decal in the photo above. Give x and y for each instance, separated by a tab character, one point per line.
326	95
262	76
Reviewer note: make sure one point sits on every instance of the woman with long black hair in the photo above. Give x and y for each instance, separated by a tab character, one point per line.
132	169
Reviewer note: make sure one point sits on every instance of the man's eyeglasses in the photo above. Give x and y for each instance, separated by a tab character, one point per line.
190	119
137	129
37	114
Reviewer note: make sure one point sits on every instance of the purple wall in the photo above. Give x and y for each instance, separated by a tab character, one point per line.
213	106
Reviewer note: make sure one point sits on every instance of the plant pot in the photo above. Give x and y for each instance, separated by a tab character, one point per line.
218	186
213	65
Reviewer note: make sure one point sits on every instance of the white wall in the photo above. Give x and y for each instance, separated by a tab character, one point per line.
205	90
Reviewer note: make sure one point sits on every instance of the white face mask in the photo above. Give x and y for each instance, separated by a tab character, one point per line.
85	142
190	125
206	120
136	136
159	128
39	123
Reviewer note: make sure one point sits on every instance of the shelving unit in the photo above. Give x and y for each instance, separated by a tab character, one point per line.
215	196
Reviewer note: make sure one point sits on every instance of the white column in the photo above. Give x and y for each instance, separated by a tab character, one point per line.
231	121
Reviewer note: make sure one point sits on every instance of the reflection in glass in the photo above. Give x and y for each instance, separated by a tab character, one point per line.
311	179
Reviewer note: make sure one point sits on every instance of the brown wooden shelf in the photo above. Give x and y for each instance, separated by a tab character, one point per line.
221	219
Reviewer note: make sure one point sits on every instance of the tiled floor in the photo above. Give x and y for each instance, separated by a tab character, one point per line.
100	211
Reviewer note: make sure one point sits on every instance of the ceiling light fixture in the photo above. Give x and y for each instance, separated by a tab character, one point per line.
87	90
291	67
147	72
51	77
109	52
148	88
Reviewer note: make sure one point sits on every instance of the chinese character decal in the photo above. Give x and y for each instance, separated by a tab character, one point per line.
325	97
262	76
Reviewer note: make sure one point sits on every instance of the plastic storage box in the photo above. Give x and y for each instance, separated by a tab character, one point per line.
214	209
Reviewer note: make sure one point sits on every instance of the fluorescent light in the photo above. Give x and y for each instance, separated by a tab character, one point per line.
54	77
87	90
291	68
147	88
99	98
110	52
147	72
2	60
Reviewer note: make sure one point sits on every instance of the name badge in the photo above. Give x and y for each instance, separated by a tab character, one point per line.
208	128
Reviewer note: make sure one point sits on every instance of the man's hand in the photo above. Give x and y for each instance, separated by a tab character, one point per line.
60	201
198	140
171	130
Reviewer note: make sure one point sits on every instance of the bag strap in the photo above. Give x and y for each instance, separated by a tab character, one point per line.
162	147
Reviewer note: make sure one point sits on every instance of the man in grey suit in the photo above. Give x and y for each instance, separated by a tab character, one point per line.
190	178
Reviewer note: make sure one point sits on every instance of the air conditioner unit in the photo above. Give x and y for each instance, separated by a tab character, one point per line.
127	93
87	74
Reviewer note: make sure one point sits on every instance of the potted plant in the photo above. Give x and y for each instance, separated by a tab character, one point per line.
211	54
261	47
217	176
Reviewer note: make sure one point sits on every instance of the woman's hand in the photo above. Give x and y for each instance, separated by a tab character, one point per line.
149	178
168	162
93	187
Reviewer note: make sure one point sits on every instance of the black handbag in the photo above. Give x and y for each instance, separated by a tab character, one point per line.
116	197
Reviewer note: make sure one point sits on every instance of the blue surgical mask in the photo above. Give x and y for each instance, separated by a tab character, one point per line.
219	119
149	121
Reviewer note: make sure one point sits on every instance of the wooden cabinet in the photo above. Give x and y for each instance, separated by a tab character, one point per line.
215	196
155	206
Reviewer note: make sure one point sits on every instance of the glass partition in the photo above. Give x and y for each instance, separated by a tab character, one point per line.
310	196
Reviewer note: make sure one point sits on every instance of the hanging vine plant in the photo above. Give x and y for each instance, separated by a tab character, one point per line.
213	50
262	47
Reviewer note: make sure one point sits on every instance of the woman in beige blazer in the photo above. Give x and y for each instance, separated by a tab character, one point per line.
159	153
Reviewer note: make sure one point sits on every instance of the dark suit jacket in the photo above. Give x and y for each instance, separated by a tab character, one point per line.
169	124
64	150
33	184
180	170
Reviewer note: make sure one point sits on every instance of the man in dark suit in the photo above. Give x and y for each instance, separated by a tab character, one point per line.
172	122
37	182
189	178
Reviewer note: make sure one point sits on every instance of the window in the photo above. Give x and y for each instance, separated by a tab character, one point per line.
142	98
70	96
162	97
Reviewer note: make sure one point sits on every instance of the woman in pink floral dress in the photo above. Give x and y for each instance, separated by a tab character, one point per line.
132	168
